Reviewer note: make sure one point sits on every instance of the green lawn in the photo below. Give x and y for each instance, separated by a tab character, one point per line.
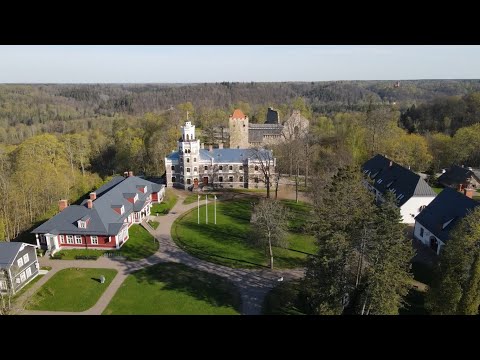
154	224
437	190
174	289
283	300
71	289
140	244
28	286
70	254
166	205
230	241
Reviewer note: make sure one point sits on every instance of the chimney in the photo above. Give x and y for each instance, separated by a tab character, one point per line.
62	204
130	173
93	196
210	147
89	204
468	192
125	174
220	146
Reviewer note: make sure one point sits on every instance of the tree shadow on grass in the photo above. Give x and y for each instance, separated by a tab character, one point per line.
210	288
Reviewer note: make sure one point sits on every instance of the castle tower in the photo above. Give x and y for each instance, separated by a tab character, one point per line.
238	126
189	156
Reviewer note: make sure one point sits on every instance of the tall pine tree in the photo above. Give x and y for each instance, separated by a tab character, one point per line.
456	289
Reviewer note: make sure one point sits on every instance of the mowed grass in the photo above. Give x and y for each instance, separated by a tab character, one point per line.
140	244
166	205
174	289
72	289
154	224
231	241
70	254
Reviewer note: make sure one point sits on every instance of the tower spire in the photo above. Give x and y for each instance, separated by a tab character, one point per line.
187	115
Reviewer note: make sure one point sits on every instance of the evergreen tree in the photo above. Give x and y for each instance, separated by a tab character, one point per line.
387	257
456	288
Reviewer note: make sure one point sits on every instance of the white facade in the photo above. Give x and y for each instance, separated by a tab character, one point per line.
413	207
427	238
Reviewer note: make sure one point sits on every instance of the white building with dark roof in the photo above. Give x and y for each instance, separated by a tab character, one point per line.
18	265
412	193
192	166
103	220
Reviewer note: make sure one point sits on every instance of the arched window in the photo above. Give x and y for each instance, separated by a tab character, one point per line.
189	151
173	167
185	151
194	159
195	169
256	168
188	160
188	137
230	167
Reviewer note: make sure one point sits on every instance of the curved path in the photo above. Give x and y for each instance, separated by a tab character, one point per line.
252	284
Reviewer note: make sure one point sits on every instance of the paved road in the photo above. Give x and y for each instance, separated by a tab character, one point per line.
252	284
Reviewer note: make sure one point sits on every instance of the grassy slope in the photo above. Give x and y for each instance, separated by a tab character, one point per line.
174	289
166	205
71	290
230	241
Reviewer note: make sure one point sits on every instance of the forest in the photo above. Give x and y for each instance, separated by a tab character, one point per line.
62	141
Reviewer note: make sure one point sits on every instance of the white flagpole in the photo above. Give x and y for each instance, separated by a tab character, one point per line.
206	209
215	208
198	208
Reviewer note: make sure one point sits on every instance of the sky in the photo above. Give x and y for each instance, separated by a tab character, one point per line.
234	63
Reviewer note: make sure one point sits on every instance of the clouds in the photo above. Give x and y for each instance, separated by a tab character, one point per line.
83	64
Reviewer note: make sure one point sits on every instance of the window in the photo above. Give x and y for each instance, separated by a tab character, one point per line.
185	151
379	181
194	159
78	239
62	239
173	167
28	272
25	259
220	178
174	179
188	181
256	168
241	178
69	239
20	262
188	170
240	167
82	224
94	240
220	168
256	179
23	277
189	151
230	178
421	232
195	169
205	167
230	167
422	207
17	280
188	160
3	285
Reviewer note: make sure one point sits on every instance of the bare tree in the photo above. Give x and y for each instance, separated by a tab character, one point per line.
6	293
269	219
266	163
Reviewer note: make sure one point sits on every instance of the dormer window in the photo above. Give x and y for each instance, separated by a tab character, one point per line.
379	181
142	188
119	209
82	224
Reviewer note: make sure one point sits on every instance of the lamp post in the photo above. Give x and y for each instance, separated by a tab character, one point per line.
206	209
198	208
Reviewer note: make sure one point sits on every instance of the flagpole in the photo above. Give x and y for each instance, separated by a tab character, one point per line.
206	209
215	208
198	208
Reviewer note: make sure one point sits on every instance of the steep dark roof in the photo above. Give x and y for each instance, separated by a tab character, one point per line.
272	116
104	220
456	175
448	205
395	178
256	132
